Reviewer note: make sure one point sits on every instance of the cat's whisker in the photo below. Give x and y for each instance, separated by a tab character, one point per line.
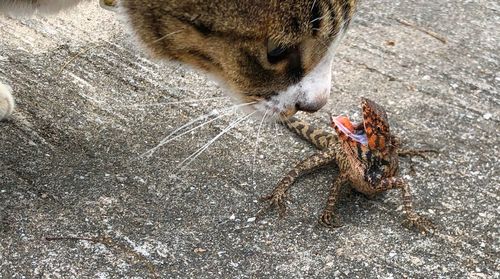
318	18
284	119
167	35
165	140
275	127
186	162
170	137
312	6
256	145
171	103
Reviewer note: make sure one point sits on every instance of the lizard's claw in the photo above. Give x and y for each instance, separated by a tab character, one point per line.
420	223
276	200
329	220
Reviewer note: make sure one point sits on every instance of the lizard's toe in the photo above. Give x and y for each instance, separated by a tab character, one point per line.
329	220
275	201
420	223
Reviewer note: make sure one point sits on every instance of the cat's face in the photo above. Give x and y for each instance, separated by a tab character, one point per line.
276	53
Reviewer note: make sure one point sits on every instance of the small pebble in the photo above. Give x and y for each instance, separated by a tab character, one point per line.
121	179
199	250
233	264
487	116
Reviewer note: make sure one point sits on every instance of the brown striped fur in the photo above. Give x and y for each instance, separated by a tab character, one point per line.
276	54
228	39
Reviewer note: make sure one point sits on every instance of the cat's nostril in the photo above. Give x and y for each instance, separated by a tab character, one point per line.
311	106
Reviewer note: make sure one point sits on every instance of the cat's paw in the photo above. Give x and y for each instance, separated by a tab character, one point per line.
109	4
6	101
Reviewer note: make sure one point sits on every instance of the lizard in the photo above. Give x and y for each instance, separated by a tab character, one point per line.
367	158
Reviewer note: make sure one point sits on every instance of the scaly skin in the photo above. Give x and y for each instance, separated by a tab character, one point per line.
370	167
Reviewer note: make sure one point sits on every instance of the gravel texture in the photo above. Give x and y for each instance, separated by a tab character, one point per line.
77	199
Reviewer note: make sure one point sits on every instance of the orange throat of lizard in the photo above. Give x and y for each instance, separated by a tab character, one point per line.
349	132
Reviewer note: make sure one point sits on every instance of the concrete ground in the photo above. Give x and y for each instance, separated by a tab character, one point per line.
78	201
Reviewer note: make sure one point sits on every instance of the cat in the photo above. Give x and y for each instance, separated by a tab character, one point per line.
275	54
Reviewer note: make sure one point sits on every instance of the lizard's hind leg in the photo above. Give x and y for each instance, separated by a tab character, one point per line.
278	197
413	219
327	217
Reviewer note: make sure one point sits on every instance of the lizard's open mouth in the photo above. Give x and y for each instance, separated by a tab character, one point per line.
355	132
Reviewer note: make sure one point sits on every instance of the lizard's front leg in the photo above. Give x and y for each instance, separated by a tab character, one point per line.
278	196
327	217
409	152
416	152
412	218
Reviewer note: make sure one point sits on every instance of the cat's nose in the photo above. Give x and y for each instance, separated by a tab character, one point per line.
312	105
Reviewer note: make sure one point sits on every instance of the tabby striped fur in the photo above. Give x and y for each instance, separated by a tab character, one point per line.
276	54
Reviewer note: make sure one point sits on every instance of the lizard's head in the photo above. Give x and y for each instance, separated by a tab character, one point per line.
369	141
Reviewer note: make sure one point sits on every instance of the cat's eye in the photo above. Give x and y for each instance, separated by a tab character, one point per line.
276	52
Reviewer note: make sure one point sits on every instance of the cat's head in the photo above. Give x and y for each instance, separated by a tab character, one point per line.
276	53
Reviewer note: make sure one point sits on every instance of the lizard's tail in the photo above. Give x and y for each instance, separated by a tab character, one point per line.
317	137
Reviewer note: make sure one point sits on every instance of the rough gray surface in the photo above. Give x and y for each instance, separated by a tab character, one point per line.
70	160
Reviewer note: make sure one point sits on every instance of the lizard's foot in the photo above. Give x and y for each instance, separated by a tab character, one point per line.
276	200
420	223
329	220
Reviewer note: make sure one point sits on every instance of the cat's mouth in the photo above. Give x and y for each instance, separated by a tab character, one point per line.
277	107
273	108
289	112
308	95
287	103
